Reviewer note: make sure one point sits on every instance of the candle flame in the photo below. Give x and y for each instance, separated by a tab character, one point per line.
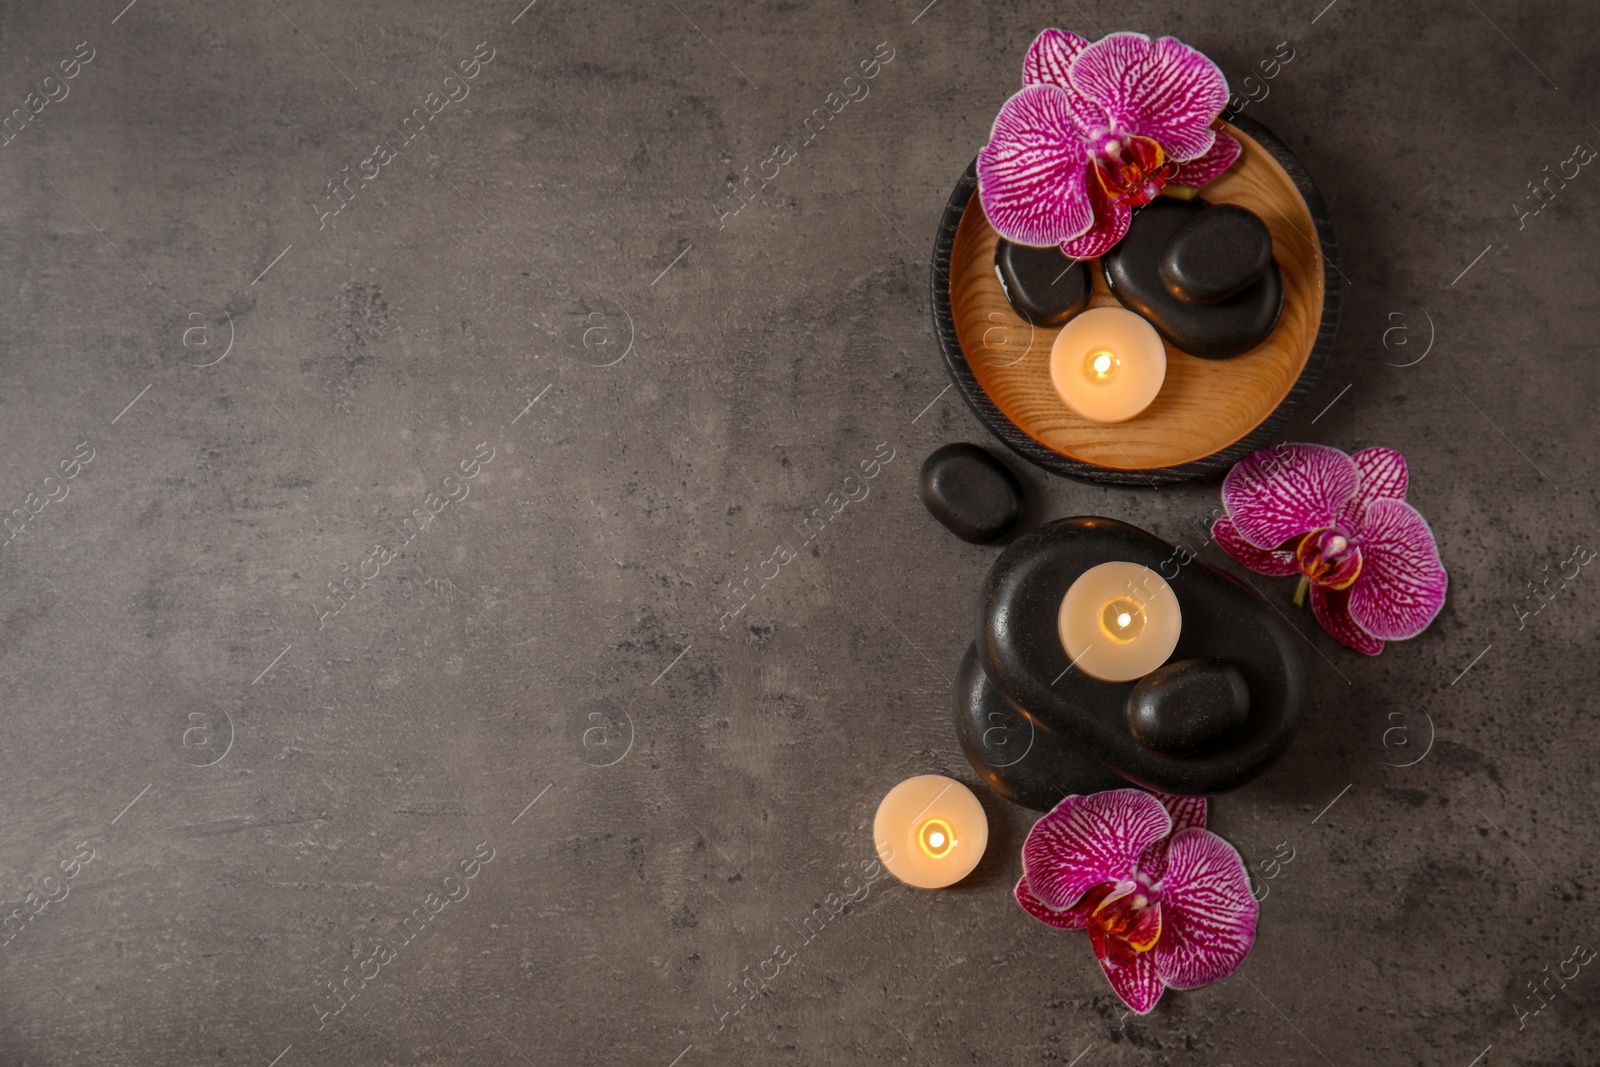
1123	619
936	838
1101	366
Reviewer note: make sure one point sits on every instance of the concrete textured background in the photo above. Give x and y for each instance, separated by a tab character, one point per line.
252	789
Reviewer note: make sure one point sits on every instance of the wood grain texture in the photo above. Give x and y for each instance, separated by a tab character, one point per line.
1209	412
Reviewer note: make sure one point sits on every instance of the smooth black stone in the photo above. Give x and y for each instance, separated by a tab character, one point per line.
1014	758
1020	651
1220	331
972	494
1216	254
1044	286
1180	708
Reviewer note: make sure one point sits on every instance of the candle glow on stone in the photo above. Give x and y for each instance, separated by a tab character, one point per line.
1108	364
1119	621
930	831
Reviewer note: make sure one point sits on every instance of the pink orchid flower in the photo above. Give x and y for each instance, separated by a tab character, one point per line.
1165	901
1098	130
1342	523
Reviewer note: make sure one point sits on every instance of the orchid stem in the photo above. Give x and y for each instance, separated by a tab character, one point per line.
1300	592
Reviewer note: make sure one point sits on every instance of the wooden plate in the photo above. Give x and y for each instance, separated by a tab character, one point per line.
1209	413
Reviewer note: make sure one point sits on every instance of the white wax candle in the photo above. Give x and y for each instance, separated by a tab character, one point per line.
1108	364
1119	621
930	831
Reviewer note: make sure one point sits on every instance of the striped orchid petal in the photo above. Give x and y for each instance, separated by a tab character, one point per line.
1161	89
1031	174
1187	813
1073	918
1087	841
1384	476
1138	981
1050	57
1284	492
1208	167
1208	913
1331	608
1261	560
1402	583
1110	226
1049	61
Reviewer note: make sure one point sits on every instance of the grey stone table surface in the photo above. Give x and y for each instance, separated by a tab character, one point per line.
385	637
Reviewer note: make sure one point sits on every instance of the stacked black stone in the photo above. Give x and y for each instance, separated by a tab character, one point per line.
1036	729
1012	756
1202	274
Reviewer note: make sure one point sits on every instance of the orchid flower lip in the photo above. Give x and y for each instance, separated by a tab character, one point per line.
1116	893
1329	557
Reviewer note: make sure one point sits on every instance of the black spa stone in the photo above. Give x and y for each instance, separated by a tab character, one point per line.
1044	286
1186	705
972	494
1217	331
1013	757
1021	653
1216	254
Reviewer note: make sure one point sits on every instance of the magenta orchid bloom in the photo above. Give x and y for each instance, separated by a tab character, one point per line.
1342	523
1166	902
1098	130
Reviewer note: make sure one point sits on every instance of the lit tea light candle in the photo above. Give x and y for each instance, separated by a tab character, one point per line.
1108	364
930	831
1119	621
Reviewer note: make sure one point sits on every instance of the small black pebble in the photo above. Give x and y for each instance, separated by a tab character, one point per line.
971	493
1044	286
1216	255
1181	707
